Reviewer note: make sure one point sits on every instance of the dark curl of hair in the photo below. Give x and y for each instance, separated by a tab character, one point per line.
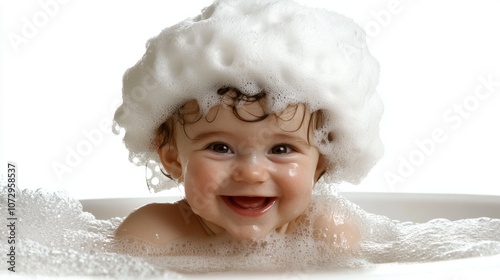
189	113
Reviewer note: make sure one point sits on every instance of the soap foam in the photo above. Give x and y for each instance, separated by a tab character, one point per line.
56	238
295	54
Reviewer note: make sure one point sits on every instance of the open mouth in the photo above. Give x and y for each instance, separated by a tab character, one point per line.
250	206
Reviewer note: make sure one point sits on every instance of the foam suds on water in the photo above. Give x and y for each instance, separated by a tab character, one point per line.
56	238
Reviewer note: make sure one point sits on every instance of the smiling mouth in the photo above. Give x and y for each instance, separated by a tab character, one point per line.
249	206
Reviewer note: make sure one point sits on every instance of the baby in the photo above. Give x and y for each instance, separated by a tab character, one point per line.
252	107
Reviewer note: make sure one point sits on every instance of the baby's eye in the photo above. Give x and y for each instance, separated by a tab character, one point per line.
220	148
281	149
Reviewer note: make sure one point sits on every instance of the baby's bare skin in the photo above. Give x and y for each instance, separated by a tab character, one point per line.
159	223
246	179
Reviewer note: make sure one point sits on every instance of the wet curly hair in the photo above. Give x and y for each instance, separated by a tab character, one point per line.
190	113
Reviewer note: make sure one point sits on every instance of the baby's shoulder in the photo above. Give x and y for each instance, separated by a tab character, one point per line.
329	222
158	223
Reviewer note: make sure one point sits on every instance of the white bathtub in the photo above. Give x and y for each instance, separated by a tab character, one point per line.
398	206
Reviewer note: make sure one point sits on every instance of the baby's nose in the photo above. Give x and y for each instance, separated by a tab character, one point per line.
250	169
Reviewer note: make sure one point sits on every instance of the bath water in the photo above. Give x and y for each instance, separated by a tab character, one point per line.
55	237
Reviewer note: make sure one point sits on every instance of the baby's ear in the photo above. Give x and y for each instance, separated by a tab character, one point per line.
169	157
320	168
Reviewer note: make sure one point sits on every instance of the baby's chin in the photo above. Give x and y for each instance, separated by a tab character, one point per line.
250	232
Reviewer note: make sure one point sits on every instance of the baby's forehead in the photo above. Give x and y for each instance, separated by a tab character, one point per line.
292	119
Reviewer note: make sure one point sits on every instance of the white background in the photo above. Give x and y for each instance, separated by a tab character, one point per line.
62	64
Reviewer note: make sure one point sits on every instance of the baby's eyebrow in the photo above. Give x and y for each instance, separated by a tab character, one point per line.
275	137
291	138
208	134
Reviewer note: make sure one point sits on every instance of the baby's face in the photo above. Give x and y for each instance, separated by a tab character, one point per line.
248	177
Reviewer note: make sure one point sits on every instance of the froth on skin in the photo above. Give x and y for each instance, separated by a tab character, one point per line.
317	224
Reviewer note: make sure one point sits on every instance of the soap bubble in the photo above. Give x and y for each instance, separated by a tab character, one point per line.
295	54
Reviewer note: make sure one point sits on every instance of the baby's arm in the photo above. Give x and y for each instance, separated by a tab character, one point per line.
158	223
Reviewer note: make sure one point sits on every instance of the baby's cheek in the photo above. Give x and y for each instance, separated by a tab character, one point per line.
299	179
201	185
198	172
